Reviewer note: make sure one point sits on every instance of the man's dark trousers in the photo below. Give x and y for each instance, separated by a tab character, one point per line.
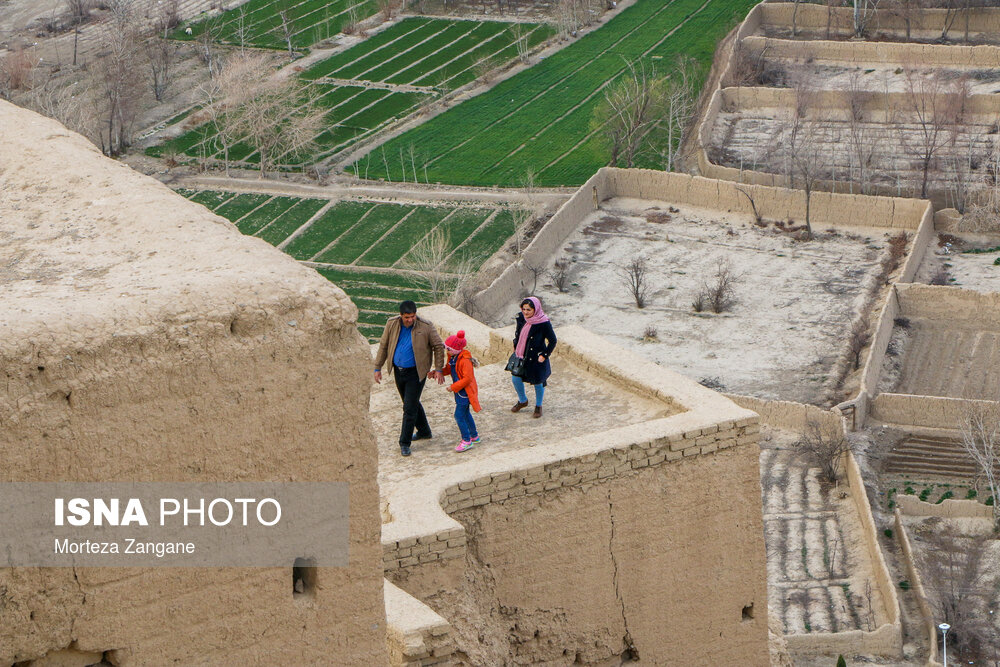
409	385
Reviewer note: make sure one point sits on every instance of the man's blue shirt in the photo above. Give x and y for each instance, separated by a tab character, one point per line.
403	356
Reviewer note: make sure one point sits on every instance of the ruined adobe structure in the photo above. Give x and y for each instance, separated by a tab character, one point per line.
145	339
625	523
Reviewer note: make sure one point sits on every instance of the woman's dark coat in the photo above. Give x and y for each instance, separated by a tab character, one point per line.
541	340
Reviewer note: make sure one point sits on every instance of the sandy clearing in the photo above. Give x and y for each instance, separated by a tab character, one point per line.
793	301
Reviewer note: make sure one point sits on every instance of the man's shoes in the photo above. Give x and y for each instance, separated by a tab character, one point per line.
421	436
404	450
518	406
538	412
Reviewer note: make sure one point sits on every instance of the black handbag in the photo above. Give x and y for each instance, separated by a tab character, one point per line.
515	365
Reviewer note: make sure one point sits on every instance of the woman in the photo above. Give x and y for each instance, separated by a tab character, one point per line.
534	341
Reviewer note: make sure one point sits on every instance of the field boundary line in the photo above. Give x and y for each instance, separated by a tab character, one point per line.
431	231
308	223
376	49
254	209
371	269
384	85
475	232
341	234
492	53
556	83
386	233
360	76
279	216
435	52
604	85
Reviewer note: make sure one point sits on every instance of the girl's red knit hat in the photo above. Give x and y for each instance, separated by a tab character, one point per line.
456	342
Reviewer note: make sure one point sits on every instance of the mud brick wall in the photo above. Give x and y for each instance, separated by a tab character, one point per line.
583	560
145	339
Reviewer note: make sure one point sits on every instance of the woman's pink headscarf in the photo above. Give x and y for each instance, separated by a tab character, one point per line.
537	318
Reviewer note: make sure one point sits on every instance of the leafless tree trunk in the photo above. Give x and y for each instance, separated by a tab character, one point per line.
118	81
635	278
937	108
862	132
795	14
953	577
286	28
823	449
679	103
631	107
277	117
981	441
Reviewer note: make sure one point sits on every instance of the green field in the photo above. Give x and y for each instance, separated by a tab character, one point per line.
363	246
538	121
429	56
259	22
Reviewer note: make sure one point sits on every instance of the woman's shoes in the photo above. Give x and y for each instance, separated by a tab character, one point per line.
538	412
519	406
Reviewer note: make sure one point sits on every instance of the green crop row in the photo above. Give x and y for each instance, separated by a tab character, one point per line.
534	121
260	23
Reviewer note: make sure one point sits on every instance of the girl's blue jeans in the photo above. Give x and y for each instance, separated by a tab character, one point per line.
463	417
521	396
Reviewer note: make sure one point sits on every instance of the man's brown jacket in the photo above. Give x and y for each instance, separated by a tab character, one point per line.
426	342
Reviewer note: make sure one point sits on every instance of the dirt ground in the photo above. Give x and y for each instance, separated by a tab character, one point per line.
874	77
569	392
819	574
946	261
793	299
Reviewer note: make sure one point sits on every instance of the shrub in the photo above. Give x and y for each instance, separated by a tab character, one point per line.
560	274
650	333
904	584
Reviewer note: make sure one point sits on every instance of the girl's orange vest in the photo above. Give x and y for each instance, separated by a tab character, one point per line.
466	377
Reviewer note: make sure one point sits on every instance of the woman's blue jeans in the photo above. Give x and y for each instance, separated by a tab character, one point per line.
463	417
523	397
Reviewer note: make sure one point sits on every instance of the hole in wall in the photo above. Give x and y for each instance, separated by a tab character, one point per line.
304	578
748	612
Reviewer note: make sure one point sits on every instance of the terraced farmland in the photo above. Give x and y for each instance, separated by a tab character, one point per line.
539	120
382	79
259	22
363	246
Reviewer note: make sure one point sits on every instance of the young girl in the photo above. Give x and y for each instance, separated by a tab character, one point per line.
460	365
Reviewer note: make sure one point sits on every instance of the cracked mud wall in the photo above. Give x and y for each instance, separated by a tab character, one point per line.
662	564
145	339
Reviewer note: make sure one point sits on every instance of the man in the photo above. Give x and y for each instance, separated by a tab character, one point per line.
409	343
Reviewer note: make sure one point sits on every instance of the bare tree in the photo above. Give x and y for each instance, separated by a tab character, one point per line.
635	277
904	9
808	157
824	449
864	12
953	576
520	36
160	53
444	280
679	96
937	108
560	274
631	107
278	117
981	441
795	13
858	338
862	133
757	218
118	81
206	45
228	91
719	293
